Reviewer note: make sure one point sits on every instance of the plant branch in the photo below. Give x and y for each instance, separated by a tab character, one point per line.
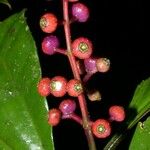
73	117
72	60
61	51
87	77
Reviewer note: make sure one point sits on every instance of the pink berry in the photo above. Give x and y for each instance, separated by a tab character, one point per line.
58	86
48	23
74	87
50	44
54	117
44	87
80	12
103	64
67	106
82	48
90	65
117	113
101	128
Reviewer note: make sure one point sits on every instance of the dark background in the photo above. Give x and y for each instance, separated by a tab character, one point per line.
117	30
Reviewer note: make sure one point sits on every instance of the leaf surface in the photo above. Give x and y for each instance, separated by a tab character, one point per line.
138	107
23	113
5	2
141	137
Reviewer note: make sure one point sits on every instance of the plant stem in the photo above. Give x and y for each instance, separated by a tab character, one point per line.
87	77
72	60
61	51
73	117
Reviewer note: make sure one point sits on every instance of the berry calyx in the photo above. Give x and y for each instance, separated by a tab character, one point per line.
50	44
82	48
116	113
103	64
94	95
54	117
101	128
48	23
80	12
90	65
74	87
67	106
58	86
44	87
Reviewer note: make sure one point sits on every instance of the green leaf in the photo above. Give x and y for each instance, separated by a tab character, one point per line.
139	107
140	103
142	132
6	3
23	113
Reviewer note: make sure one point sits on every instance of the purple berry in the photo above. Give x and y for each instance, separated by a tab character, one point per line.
67	106
80	12
49	44
90	65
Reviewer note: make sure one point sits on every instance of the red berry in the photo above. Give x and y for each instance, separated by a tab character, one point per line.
48	23
50	44
67	106
80	12
74	87
103	64
117	113
58	86
44	87
82	48
101	128
54	117
90	65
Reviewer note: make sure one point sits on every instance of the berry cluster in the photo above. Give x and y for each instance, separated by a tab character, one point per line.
82	62
58	87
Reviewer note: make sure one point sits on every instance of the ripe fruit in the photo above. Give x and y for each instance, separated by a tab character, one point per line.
117	113
101	128
103	64
50	44
90	65
74	87
67	106
58	86
54	117
82	48
80	12
44	87
48	23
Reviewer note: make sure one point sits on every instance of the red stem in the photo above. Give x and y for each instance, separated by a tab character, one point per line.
73	117
72	60
61	51
87	77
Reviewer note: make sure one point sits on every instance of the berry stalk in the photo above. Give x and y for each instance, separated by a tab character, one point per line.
72	60
74	117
